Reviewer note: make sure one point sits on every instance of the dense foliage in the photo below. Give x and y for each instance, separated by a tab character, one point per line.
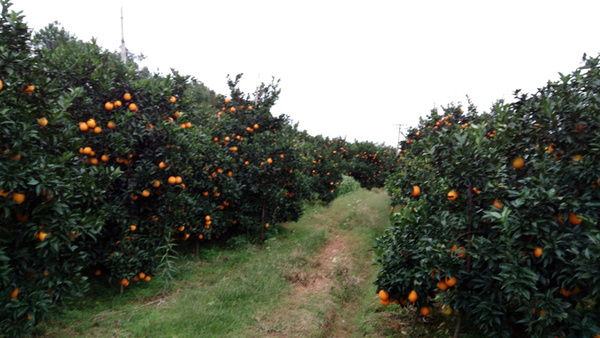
496	214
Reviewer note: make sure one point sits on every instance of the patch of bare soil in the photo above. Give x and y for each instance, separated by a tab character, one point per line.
311	310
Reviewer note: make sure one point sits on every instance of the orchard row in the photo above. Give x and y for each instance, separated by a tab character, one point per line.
105	167
496	214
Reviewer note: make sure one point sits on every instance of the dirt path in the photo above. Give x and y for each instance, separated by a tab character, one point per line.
311	304
327	289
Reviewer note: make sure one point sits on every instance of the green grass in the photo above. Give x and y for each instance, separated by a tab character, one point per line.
248	291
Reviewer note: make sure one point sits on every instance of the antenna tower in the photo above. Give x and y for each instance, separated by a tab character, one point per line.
400	133
123	49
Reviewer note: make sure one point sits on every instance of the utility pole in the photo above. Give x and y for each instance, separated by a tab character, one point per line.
400	133
123	49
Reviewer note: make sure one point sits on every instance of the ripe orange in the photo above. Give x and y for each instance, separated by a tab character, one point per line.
227	100
111	125
178	179
91	123
94	161
385	302
256	126
188	125
577	159
497	204
18	197
156	183
118	103
450	281
124	282
29	89
538	252
15	293
98	272
442	285
446	309
412	296
162	165
383	295
573	219
145	193
43	121
127	97
452	195
83	126
43	236
133	107
518	163
98	130
416	190
172	180
269	160
173	99
147	279
249	108
132	227
142	275
1	85
425	310
109	106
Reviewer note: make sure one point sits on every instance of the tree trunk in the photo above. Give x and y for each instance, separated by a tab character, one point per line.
262	224
469	235
457	330
415	318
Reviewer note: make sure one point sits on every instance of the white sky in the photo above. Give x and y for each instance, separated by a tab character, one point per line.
347	68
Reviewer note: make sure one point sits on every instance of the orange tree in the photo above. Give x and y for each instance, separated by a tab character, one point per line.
270	188
48	199
324	162
499	217
369	163
121	127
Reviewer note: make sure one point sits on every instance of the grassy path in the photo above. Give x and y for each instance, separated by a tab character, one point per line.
314	279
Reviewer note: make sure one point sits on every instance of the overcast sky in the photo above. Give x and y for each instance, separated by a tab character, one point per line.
347	68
